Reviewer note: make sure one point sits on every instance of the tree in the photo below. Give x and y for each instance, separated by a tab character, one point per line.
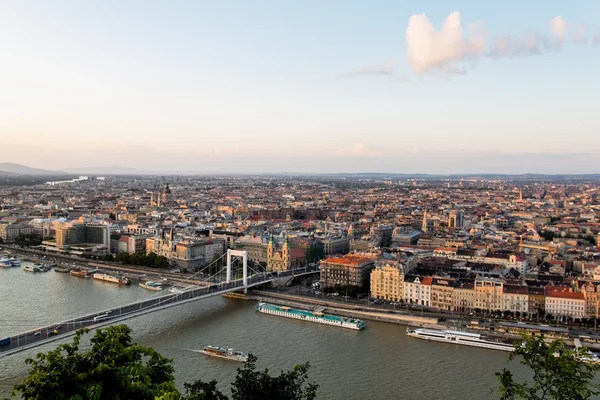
117	368
558	373
114	367
251	384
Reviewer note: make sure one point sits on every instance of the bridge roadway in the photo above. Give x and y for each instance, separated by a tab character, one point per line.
40	336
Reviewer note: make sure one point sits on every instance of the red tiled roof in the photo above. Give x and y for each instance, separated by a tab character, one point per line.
565	295
350	260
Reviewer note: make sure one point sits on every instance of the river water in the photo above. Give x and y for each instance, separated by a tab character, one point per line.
380	362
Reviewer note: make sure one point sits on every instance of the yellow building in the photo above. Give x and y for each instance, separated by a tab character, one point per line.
489	294
387	281
442	293
464	297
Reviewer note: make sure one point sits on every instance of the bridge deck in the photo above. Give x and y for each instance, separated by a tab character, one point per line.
40	336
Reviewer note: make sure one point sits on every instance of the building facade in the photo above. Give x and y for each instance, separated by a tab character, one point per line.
417	290
353	270
442	293
489	294
387	281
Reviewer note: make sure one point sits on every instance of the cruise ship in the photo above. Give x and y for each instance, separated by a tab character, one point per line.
456	337
121	280
310	316
221	352
151	285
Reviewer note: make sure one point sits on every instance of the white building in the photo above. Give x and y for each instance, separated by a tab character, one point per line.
565	303
417	290
515	298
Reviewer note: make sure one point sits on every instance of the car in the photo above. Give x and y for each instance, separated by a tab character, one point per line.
38	333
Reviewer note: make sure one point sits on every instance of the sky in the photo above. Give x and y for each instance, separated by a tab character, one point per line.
301	86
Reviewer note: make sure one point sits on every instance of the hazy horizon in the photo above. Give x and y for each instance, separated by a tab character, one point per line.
304	87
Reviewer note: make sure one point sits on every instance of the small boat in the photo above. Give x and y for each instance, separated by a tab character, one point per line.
79	273
14	262
82	272
151	285
31	268
42	267
228	354
62	270
5	262
121	280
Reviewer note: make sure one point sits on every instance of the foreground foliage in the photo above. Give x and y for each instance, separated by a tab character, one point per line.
558	373
117	368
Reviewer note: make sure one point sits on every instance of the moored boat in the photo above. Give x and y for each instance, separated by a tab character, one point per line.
5	262
31	268
62	270
310	316
121	280
82	272
15	262
151	285
226	353
457	337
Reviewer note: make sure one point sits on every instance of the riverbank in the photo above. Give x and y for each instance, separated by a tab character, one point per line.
351	311
374	314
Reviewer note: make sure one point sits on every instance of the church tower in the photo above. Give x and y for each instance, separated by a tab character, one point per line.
424	226
285	254
270	248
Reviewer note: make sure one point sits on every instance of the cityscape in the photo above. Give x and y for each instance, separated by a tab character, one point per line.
299	200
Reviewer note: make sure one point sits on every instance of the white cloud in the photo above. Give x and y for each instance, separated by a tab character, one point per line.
558	26
517	46
451	51
429	49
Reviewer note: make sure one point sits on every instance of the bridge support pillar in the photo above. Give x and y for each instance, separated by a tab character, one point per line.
228	266
238	253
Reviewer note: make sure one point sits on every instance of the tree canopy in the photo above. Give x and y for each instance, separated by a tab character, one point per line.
117	368
113	368
558	373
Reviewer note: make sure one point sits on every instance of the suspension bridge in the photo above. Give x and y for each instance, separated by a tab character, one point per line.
221	282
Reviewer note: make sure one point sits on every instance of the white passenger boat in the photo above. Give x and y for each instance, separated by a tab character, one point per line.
456	337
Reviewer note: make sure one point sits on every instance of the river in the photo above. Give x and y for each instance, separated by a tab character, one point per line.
380	362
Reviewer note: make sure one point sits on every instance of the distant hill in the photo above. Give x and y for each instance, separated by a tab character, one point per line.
114	170
19	169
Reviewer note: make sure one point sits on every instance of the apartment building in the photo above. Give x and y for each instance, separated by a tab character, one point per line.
564	302
417	289
387	281
489	294
442	293
346	270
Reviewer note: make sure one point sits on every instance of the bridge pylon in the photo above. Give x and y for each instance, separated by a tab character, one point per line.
244	255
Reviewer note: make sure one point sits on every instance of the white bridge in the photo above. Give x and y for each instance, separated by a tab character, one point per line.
213	285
